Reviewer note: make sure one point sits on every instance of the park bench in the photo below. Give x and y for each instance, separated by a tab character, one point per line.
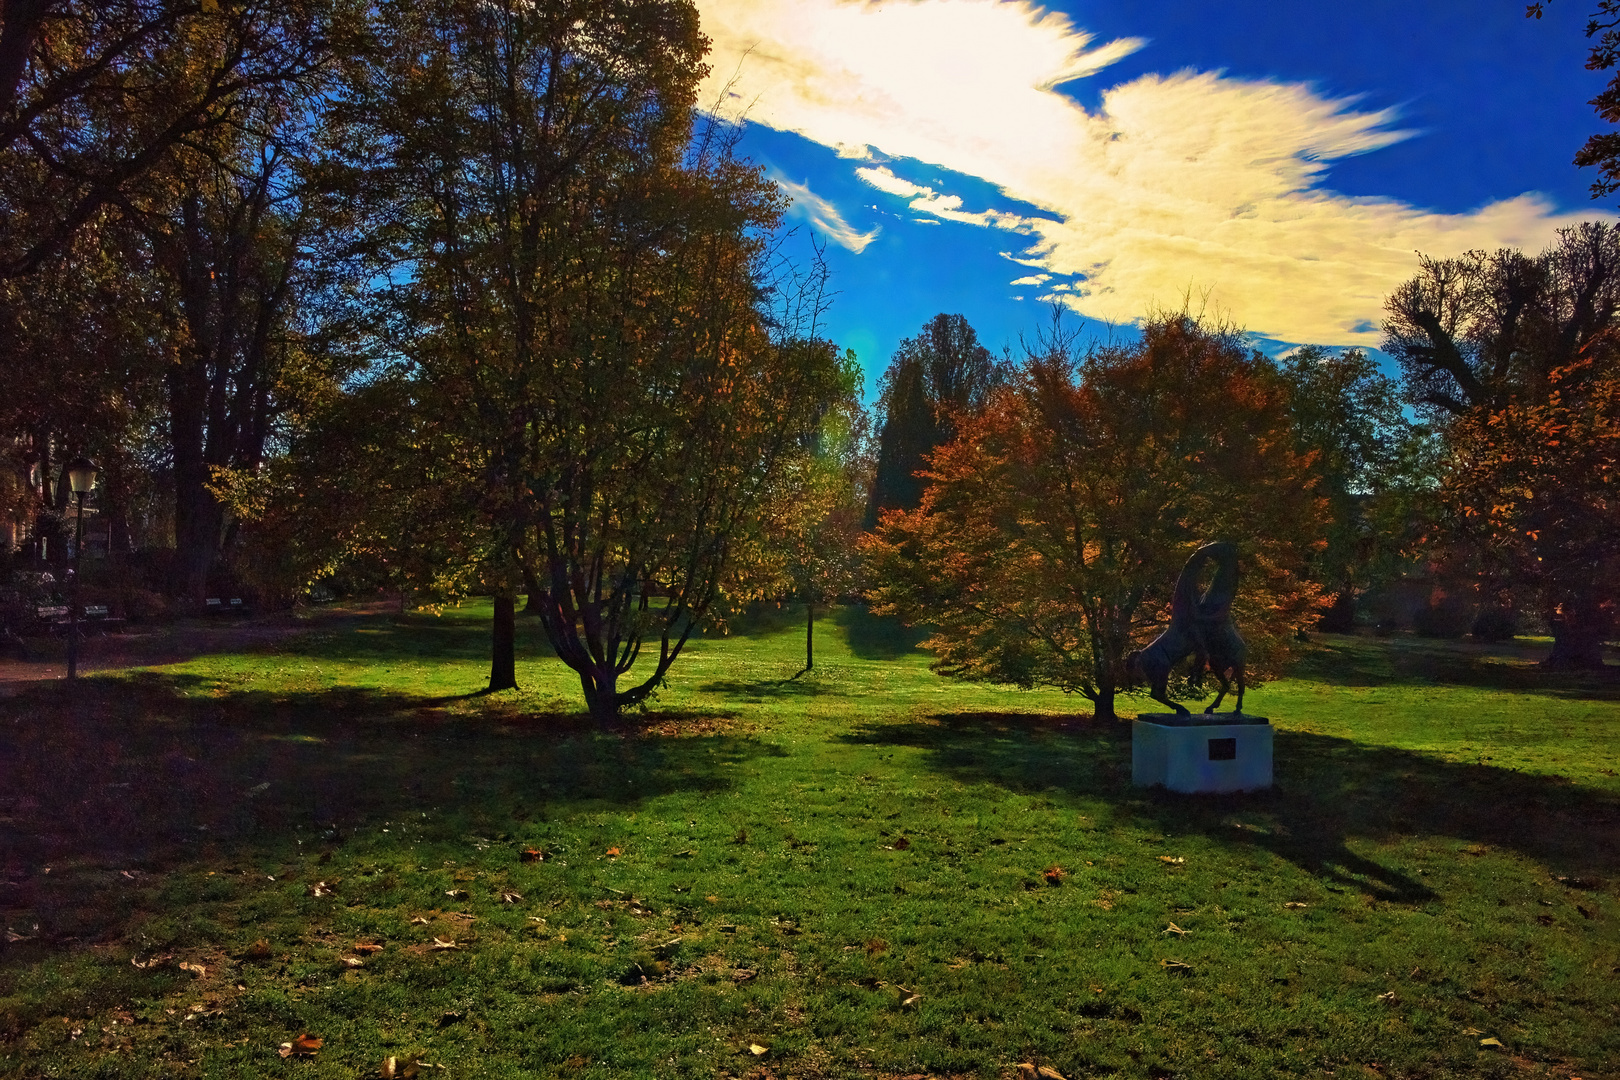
215	606
51	617
100	618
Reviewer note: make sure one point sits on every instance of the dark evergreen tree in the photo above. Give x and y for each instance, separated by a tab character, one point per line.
933	378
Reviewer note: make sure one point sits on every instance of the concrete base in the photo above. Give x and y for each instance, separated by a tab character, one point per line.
1200	752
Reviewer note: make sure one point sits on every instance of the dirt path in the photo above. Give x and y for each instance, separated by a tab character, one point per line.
171	643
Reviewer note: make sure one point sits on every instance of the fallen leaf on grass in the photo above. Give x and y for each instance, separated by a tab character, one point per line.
156	961
322	888
1494	1044
1295	904
712	899
509	897
1027	1071
758	1050
911	1001
353	961
13	937
612	852
259	950
1174	929
1388	998
393	1069
531	855
1175	967
305	1045
742	975
456	894
440	943
196	969
687	854
1472	1031
1054	875
1172	860
420	920
367	946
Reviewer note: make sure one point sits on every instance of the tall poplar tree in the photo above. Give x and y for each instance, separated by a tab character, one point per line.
934	378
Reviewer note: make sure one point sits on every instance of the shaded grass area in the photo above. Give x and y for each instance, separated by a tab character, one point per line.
866	871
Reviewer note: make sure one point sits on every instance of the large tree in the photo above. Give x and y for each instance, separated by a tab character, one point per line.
1053	527
1494	347
934	378
100	100
1378	471
580	300
159	232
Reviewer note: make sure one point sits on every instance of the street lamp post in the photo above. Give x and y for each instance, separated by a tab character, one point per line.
82	476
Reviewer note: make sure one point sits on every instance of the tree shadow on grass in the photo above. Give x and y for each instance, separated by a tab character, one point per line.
1407	660
1328	792
160	770
877	637
761	690
400	639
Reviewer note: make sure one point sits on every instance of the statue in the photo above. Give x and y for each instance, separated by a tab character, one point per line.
1201	627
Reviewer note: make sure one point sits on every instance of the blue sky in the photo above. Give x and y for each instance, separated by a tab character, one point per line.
1279	164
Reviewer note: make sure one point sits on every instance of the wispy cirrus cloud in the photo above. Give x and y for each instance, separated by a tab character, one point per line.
1184	181
823	215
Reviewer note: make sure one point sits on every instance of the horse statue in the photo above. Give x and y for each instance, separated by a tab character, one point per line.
1201	626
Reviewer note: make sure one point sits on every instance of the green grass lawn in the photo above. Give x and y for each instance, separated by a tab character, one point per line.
864	872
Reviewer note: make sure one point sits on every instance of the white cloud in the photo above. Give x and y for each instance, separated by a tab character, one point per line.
823	215
929	201
1188	181
1032	279
884	180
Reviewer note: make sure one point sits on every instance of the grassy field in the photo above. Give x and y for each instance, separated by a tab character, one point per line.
864	872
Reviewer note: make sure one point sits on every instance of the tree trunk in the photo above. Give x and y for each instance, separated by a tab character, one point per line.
1103	705
601	685
196	514
1579	631
810	635
531	588
503	660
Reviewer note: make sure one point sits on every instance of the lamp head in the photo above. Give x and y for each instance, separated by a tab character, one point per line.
82	474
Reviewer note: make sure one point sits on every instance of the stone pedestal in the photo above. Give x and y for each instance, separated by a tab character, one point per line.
1201	752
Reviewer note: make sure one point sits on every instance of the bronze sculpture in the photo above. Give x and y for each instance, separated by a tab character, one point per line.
1201	626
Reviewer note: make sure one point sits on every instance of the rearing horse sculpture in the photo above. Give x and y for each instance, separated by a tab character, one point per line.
1201	626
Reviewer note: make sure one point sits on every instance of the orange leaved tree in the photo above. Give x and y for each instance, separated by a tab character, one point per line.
1533	491
1052	528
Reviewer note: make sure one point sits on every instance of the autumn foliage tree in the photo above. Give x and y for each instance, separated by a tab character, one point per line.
1513	356
1053	526
802	545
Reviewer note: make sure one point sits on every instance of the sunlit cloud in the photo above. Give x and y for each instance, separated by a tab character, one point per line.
1179	184
947	207
823	215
